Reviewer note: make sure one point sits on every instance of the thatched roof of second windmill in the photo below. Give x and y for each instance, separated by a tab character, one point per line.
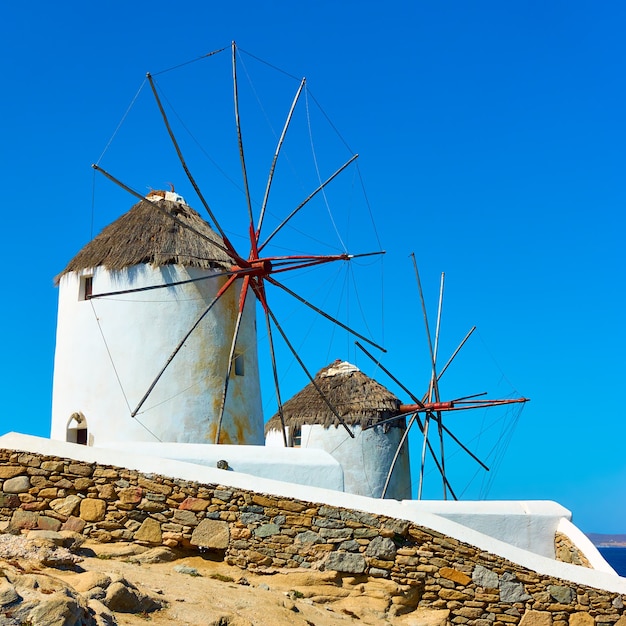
357	398
156	231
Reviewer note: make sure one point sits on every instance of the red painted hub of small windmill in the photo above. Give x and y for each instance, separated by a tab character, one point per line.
257	267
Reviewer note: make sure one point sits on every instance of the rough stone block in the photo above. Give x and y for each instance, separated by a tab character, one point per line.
345	562
267	530
562	594
75	524
240	533
65	506
11	471
9	500
107	492
48	523
23	520
308	536
194	504
212	534
252	518
52	466
258	558
49	492
512	592
292	506
536	618
82	484
19	484
35	506
582	619
381	548
63	483
454	575
149	531
187	518
80	469
336	534
131	495
151	507
264	501
104	472
297	520
485	577
453	594
92	509
150	485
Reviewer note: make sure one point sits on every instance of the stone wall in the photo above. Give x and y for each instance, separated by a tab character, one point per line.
459	582
567	552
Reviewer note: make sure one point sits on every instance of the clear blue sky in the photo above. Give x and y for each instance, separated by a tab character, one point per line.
492	144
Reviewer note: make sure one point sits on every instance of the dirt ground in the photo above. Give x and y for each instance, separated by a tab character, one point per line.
220	595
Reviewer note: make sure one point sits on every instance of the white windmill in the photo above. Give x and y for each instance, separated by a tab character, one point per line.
156	336
430	408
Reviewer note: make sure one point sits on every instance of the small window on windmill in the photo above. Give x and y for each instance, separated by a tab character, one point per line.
238	365
76	430
296	437
86	287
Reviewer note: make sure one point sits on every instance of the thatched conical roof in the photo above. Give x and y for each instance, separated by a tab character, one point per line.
148	235
357	398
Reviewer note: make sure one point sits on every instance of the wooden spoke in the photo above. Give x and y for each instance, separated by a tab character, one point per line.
229	246
308	374
414	417
305	201
435	383
240	138
449	361
231	356
323	313
395	380
270	177
275	373
176	283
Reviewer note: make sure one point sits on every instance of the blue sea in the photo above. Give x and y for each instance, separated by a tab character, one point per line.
616	558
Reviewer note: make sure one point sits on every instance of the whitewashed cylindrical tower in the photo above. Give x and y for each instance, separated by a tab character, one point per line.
361	402
110	349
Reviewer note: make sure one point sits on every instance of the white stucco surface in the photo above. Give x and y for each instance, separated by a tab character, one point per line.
366	459
109	351
529	525
392	508
305	467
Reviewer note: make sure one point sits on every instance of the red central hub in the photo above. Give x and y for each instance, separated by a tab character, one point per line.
258	267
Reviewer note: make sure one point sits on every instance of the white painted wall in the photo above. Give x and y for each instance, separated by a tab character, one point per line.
366	459
601	579
109	350
314	468
530	525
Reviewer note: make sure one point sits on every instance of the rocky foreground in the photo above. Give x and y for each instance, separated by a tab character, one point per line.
56	579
